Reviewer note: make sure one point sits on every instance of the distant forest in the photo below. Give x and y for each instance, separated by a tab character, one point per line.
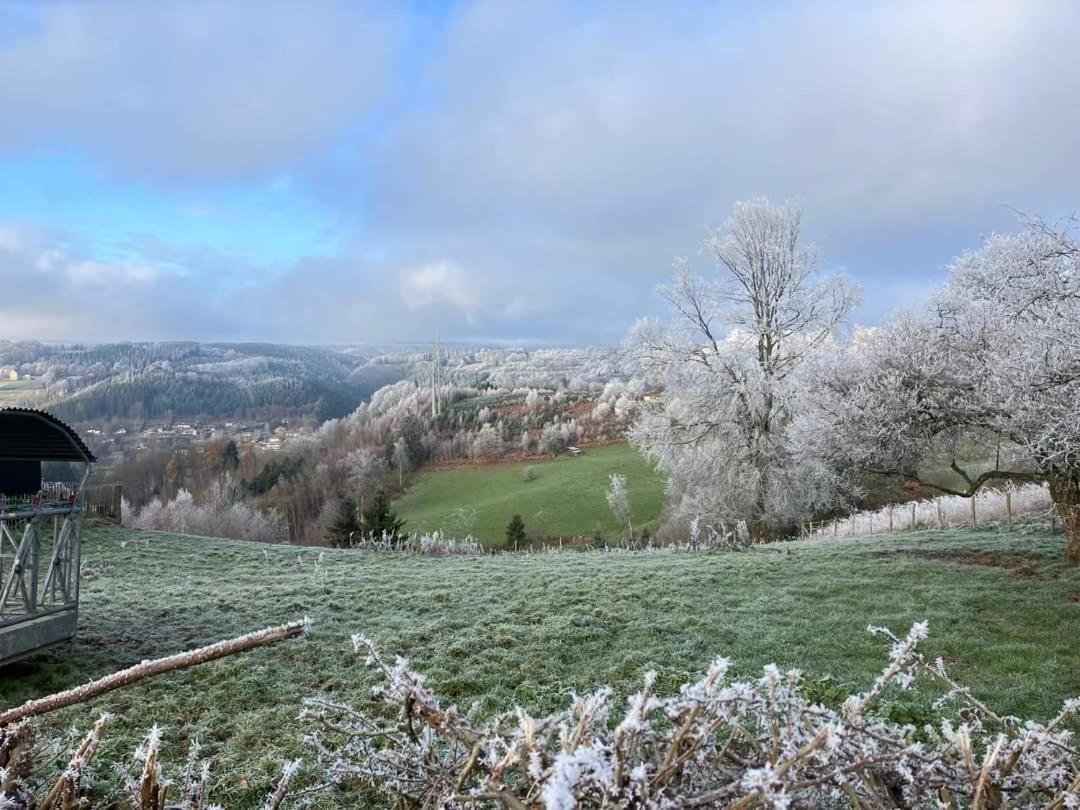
185	380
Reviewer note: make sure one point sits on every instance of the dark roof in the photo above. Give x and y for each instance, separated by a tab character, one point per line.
29	435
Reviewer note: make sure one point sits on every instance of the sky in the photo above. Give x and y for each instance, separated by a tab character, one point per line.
500	172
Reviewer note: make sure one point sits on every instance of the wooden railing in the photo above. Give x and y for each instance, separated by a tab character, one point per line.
102	500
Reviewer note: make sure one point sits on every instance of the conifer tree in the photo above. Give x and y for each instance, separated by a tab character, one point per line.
515	531
380	520
344	526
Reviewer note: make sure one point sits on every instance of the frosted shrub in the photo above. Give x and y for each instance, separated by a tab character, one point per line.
707	537
717	743
432	544
219	517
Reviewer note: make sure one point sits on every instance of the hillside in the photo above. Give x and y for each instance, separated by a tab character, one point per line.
532	628
567	496
135	381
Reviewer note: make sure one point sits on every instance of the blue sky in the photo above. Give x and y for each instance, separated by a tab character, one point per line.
343	172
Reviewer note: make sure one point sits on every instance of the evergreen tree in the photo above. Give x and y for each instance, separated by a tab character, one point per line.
380	520
230	456
515	531
412	431
344	525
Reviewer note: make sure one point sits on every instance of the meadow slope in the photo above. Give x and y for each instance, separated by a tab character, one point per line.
499	629
568	496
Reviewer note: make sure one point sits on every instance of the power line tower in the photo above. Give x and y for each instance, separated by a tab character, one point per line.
436	379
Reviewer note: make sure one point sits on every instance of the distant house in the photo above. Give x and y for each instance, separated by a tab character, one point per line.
9	374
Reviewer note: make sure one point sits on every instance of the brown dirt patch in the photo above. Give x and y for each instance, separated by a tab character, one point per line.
1018	565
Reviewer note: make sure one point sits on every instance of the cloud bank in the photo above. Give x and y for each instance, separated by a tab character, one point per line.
520	171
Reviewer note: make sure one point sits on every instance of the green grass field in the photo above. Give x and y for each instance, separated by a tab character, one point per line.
1003	609
12	391
567	497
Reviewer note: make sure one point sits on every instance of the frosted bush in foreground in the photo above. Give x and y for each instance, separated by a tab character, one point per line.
718	743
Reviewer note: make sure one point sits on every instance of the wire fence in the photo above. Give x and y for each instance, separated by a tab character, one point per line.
1001	506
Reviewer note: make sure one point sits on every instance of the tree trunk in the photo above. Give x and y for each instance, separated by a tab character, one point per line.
1065	492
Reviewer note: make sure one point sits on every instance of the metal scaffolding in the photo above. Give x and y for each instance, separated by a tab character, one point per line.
40	533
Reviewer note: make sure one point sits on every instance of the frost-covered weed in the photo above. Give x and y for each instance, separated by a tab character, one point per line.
717	743
432	544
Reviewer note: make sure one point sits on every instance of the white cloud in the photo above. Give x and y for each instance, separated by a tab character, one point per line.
439	284
559	156
195	90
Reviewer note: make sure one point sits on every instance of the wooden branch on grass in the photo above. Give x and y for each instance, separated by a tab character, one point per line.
148	669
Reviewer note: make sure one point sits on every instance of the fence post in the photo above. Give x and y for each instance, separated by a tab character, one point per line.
870	518
1008	507
973	522
834	526
912	516
891	510
940	514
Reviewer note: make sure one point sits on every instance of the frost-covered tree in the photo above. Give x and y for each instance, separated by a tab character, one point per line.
487	443
992	364
365	469
619	501
551	440
728	368
402	459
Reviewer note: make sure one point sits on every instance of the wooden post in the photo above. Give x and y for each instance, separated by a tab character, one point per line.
870	518
973	522
940	514
912	516
1008	508
891	510
834	526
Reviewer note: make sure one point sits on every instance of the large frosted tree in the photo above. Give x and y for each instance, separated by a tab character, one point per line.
729	367
990	368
